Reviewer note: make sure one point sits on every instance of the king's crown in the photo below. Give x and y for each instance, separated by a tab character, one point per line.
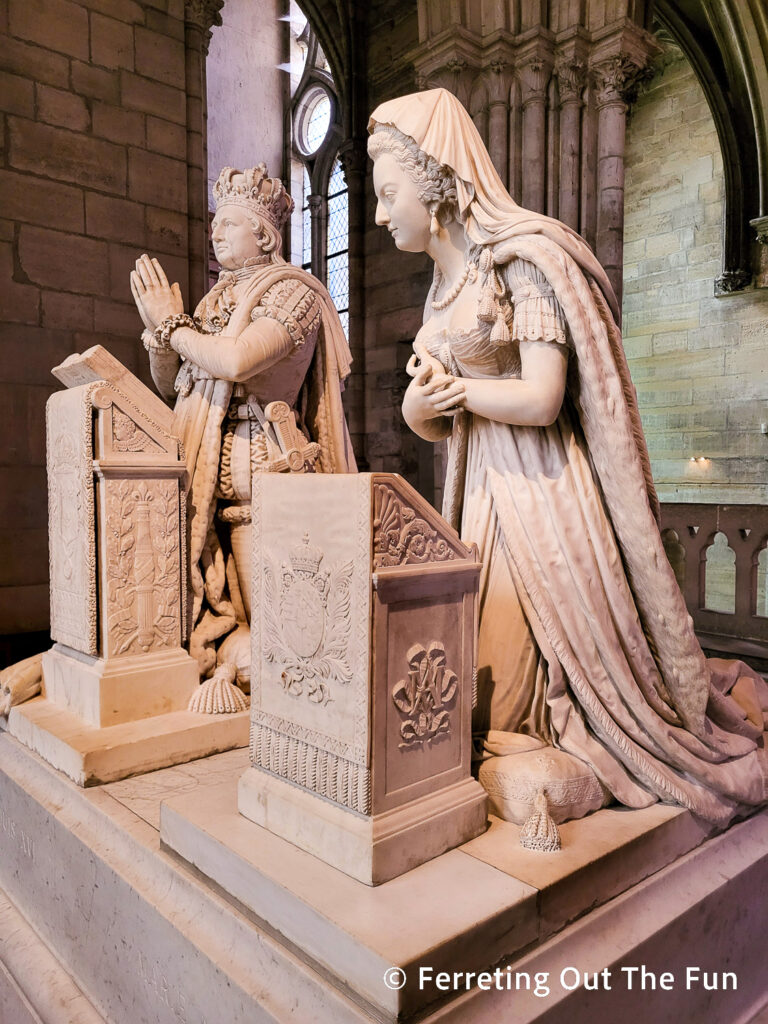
253	189
305	557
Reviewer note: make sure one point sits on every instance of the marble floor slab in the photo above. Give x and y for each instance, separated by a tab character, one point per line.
90	755
454	909
355	931
601	856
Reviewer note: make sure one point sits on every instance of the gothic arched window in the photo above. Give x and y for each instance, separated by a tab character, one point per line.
319	227
337	243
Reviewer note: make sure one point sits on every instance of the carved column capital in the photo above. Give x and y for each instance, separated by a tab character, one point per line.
314	202
496	76
203	15
534	78
733	281
571	79
354	156
618	80
456	64
760	224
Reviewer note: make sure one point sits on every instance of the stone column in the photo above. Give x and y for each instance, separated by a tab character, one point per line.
199	17
354	157
498	116
317	231
534	75
571	77
617	80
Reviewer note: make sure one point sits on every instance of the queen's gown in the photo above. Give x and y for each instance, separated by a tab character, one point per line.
565	652
584	640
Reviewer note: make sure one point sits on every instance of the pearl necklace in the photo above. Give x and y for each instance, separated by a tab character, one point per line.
470	273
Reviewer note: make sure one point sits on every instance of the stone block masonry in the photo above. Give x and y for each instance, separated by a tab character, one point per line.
93	173
698	362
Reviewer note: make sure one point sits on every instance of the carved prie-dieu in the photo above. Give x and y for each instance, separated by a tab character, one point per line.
143	563
307	623
400	536
426	696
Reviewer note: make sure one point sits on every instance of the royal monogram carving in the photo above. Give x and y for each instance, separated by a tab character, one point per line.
426	696
402	537
307	623
143	561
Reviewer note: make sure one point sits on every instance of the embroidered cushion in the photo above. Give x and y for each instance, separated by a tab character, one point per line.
513	780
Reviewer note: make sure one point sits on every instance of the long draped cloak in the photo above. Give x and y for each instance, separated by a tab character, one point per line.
565	519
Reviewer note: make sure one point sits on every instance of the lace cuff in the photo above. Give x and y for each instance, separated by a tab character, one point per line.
538	315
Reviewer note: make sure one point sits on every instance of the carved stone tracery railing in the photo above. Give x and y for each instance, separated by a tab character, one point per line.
689	531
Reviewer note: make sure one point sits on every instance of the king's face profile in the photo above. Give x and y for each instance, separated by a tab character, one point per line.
234	239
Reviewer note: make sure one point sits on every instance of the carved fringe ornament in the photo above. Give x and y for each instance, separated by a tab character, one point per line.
315	769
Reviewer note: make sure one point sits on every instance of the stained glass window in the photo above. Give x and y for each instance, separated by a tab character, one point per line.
337	244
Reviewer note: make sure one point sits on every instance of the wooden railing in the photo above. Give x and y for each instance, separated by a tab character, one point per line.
726	596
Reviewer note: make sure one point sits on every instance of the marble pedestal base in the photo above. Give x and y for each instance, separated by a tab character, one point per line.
372	849
90	755
109	692
252	929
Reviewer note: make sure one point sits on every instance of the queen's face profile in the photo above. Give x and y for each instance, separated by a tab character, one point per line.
400	208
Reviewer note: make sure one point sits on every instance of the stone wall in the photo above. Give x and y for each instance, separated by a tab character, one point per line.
698	362
93	173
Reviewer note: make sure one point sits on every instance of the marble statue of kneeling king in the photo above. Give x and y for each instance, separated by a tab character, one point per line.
258	373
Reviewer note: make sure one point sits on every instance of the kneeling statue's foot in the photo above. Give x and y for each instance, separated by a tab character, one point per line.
20	682
219	695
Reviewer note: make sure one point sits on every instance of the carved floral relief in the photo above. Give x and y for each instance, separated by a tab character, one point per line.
142	564
71	522
402	537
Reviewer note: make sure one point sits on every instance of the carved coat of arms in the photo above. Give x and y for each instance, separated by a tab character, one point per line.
307	623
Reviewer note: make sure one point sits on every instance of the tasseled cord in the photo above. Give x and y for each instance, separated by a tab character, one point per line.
490	310
539	831
219	695
488	307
